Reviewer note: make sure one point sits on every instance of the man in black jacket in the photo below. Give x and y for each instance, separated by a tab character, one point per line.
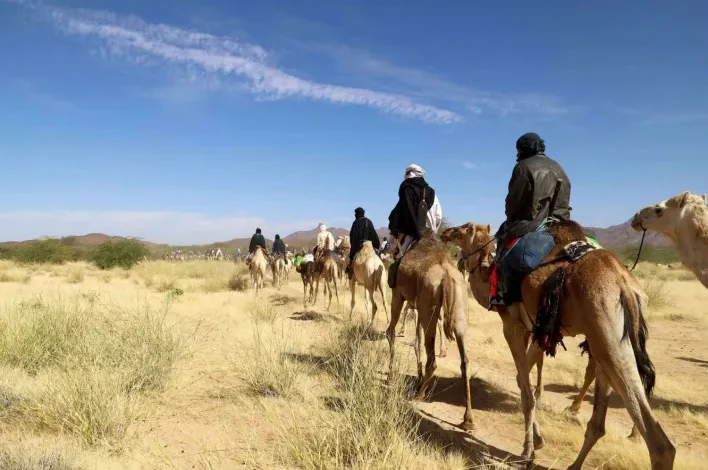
278	246
361	231
256	240
531	188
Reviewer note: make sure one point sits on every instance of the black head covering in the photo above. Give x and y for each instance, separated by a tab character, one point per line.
528	145
258	230
359	212
277	237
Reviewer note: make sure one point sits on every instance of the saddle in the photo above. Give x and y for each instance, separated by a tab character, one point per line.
558	244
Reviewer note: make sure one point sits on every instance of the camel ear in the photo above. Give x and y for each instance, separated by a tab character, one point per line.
684	198
704	198
489	228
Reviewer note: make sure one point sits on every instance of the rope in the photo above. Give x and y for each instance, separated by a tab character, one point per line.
465	256
639	253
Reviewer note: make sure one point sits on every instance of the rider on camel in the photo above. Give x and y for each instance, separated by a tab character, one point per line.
362	230
257	240
418	209
278	246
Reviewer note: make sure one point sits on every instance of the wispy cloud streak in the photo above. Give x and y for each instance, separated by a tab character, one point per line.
131	38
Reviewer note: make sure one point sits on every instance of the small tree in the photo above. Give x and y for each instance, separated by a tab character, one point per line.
123	253
50	250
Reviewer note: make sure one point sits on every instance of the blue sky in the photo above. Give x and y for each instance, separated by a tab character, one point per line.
193	121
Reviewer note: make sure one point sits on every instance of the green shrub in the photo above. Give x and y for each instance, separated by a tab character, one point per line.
41	251
123	254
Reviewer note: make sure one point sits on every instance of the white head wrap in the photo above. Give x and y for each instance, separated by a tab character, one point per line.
414	171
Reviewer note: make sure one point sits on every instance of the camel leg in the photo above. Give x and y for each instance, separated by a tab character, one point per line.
534	357
406	312
383	297
374	307
352	290
317	291
596	425
419	338
366	303
514	335
304	293
336	292
443	343
460	330
396	305
429	333
589	378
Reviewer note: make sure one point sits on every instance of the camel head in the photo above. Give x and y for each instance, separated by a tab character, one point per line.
662	217
476	242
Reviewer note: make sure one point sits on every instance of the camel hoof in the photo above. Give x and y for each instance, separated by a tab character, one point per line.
635	436
538	394
468	425
528	457
442	354
573	409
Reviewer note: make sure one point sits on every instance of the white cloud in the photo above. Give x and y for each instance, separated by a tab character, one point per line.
469	165
200	54
427	84
676	118
158	227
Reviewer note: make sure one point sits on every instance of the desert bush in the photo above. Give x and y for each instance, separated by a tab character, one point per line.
239	282
41	251
122	254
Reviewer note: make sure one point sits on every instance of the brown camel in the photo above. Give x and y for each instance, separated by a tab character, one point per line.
343	250
369	271
684	219
600	299
307	273
326	268
429	281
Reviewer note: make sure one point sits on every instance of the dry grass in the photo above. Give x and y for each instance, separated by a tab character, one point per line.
369	422
75	275
88	363
96	375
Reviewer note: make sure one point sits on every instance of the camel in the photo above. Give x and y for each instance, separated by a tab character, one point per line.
598	298
307	273
407	311
684	219
343	250
326	268
259	265
428	280
277	265
368	271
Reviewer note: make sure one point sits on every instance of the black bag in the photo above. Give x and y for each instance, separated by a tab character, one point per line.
422	214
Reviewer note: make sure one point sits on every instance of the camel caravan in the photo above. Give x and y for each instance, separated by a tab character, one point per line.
544	275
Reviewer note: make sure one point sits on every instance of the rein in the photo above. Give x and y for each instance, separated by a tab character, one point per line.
639	253
481	260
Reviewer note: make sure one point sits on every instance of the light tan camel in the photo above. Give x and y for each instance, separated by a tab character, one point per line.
277	266
326	268
369	271
429	281
599	299
344	249
684	219
259	266
402	332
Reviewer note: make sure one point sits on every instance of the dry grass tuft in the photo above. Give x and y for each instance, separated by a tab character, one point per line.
266	367
75	275
239	282
89	363
262	311
25	458
658	294
369	423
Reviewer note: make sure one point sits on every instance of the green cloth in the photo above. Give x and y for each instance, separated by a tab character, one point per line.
298	260
593	242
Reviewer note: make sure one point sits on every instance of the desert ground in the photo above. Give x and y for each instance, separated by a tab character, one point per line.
180	366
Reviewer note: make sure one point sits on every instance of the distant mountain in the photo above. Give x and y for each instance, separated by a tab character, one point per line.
623	235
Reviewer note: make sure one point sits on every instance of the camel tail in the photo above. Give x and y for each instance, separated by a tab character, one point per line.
635	328
449	303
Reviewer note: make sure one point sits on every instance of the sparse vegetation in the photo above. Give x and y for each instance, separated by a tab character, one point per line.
239	282
89	362
24	458
658	294
50	251
75	275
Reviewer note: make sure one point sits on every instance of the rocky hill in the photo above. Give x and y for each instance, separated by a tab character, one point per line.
623	235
